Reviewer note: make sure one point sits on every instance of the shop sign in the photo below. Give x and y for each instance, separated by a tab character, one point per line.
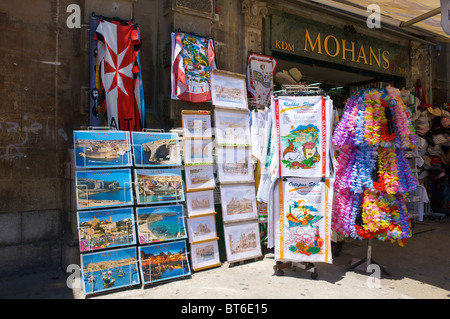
309	39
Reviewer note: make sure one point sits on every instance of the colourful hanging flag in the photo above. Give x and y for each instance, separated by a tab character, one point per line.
260	73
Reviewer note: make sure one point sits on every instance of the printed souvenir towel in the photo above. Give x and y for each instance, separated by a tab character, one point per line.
260	73
193	58
118	44
301	225
304	128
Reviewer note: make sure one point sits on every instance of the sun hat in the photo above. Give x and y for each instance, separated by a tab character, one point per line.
296	74
435	111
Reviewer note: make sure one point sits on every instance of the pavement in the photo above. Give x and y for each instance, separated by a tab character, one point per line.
420	270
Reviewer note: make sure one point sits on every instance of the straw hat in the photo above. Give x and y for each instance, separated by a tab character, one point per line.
296	74
284	78
435	111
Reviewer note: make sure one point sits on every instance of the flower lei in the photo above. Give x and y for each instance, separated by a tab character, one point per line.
372	172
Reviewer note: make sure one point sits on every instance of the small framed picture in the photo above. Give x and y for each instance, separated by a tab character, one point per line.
198	152
232	127
234	164
199	177
196	124
238	202
201	228
205	255
199	203
242	241
154	149
228	89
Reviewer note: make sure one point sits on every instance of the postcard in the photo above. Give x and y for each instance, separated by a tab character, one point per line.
199	203
196	124
99	229
232	127
198	152
155	149
205	255
242	241
101	149
228	89
160	223
156	186
110	269
234	164
238	202
103	188
163	261
202	228
199	177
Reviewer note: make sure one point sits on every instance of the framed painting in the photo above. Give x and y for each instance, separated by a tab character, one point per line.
155	149
101	149
160	223
228	89
238	202
157	186
103	188
163	261
198	152
232	128
242	241
234	164
199	203
201	228
205	255
110	269
199	177
99	229
196	124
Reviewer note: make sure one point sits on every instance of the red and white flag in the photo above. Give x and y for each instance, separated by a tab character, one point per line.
117	54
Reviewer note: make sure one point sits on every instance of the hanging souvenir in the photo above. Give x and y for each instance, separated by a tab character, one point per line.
302	220
260	73
193	58
118	47
304	127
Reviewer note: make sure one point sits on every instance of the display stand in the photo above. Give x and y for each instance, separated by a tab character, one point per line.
293	265
369	260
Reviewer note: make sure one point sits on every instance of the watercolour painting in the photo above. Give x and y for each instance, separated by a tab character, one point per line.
99	229
163	261
232	127
205	255
102	149
157	186
155	149
196	124
199	203
198	152
160	223
242	241
202	228
238	202
199	177
103	188
110	269
228	90
234	164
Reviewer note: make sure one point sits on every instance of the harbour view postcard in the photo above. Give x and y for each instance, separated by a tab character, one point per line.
109	270
156	149
101	149
103	188
163	261
108	228
157	186
160	223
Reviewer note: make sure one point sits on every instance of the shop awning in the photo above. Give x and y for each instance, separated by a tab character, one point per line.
419	17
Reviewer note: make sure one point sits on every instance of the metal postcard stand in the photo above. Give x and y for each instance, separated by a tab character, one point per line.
297	90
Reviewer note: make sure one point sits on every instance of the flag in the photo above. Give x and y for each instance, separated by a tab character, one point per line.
118	45
260	73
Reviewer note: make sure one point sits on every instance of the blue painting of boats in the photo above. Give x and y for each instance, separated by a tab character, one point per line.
164	261
111	269
156	149
110	228
103	188
102	149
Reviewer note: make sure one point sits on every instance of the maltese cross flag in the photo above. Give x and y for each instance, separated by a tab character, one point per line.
118	44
